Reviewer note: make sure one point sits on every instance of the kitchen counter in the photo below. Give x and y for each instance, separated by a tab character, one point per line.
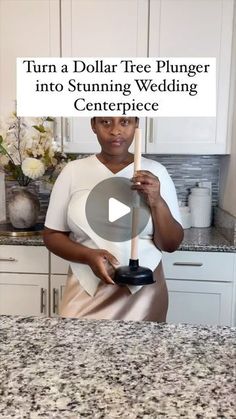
24	241
195	239
70	368
206	240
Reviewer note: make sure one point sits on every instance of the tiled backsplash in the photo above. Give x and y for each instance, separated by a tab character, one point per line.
186	171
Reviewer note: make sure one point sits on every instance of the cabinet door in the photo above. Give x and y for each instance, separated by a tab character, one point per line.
23	294
27	29
193	28
58	265
197	302
104	28
58	283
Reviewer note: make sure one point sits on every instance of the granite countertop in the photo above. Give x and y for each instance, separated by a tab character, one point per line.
206	239
70	368
195	239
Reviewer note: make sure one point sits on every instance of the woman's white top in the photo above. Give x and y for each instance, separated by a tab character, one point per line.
66	212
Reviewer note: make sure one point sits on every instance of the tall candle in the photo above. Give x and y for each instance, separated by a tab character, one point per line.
137	149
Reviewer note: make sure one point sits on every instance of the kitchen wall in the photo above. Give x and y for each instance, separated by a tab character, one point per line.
227	196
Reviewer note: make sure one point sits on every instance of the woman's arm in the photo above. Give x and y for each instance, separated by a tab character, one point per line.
100	261
168	233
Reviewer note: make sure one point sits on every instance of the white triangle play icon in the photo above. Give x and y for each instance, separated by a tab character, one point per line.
116	210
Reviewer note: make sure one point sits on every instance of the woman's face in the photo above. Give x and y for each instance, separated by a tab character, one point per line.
115	134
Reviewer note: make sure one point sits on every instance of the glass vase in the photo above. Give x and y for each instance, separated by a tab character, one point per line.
23	207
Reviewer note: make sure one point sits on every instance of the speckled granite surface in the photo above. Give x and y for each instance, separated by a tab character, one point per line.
25	241
206	239
195	239
60	368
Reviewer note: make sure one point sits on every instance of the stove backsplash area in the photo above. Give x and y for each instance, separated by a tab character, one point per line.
185	170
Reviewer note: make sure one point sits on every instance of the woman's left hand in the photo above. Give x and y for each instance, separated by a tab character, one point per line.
148	185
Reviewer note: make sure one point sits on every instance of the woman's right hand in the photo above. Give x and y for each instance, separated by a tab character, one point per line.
103	264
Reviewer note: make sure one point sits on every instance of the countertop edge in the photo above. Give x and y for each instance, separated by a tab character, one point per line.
196	240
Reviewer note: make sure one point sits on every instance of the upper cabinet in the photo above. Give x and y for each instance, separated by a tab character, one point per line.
125	28
27	29
104	28
155	28
193	28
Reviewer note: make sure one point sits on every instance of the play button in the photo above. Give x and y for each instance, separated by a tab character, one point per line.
116	210
109	209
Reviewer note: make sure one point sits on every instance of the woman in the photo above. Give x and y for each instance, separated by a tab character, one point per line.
90	291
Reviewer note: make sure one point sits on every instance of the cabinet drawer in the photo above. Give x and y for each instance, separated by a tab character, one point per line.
202	266
33	259
58	265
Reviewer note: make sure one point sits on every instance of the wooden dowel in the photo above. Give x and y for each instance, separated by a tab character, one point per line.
134	240
135	212
137	149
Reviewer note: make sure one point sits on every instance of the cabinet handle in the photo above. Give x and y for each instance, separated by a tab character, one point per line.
188	264
67	130
57	130
151	131
8	260
42	300
55	301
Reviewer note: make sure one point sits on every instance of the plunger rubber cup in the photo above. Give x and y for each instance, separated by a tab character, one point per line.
133	274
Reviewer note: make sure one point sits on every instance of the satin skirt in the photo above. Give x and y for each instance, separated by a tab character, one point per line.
113	302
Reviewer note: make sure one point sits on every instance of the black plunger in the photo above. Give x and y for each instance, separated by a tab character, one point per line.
133	274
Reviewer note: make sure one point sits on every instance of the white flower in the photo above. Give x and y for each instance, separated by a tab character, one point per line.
33	168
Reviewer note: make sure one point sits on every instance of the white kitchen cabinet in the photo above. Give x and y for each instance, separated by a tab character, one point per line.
27	285
198	302
58	265
169	28
27	29
104	28
193	28
201	287
24	259
23	294
124	28
24	280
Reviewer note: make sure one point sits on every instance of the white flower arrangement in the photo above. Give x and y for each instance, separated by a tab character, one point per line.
33	168
27	148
